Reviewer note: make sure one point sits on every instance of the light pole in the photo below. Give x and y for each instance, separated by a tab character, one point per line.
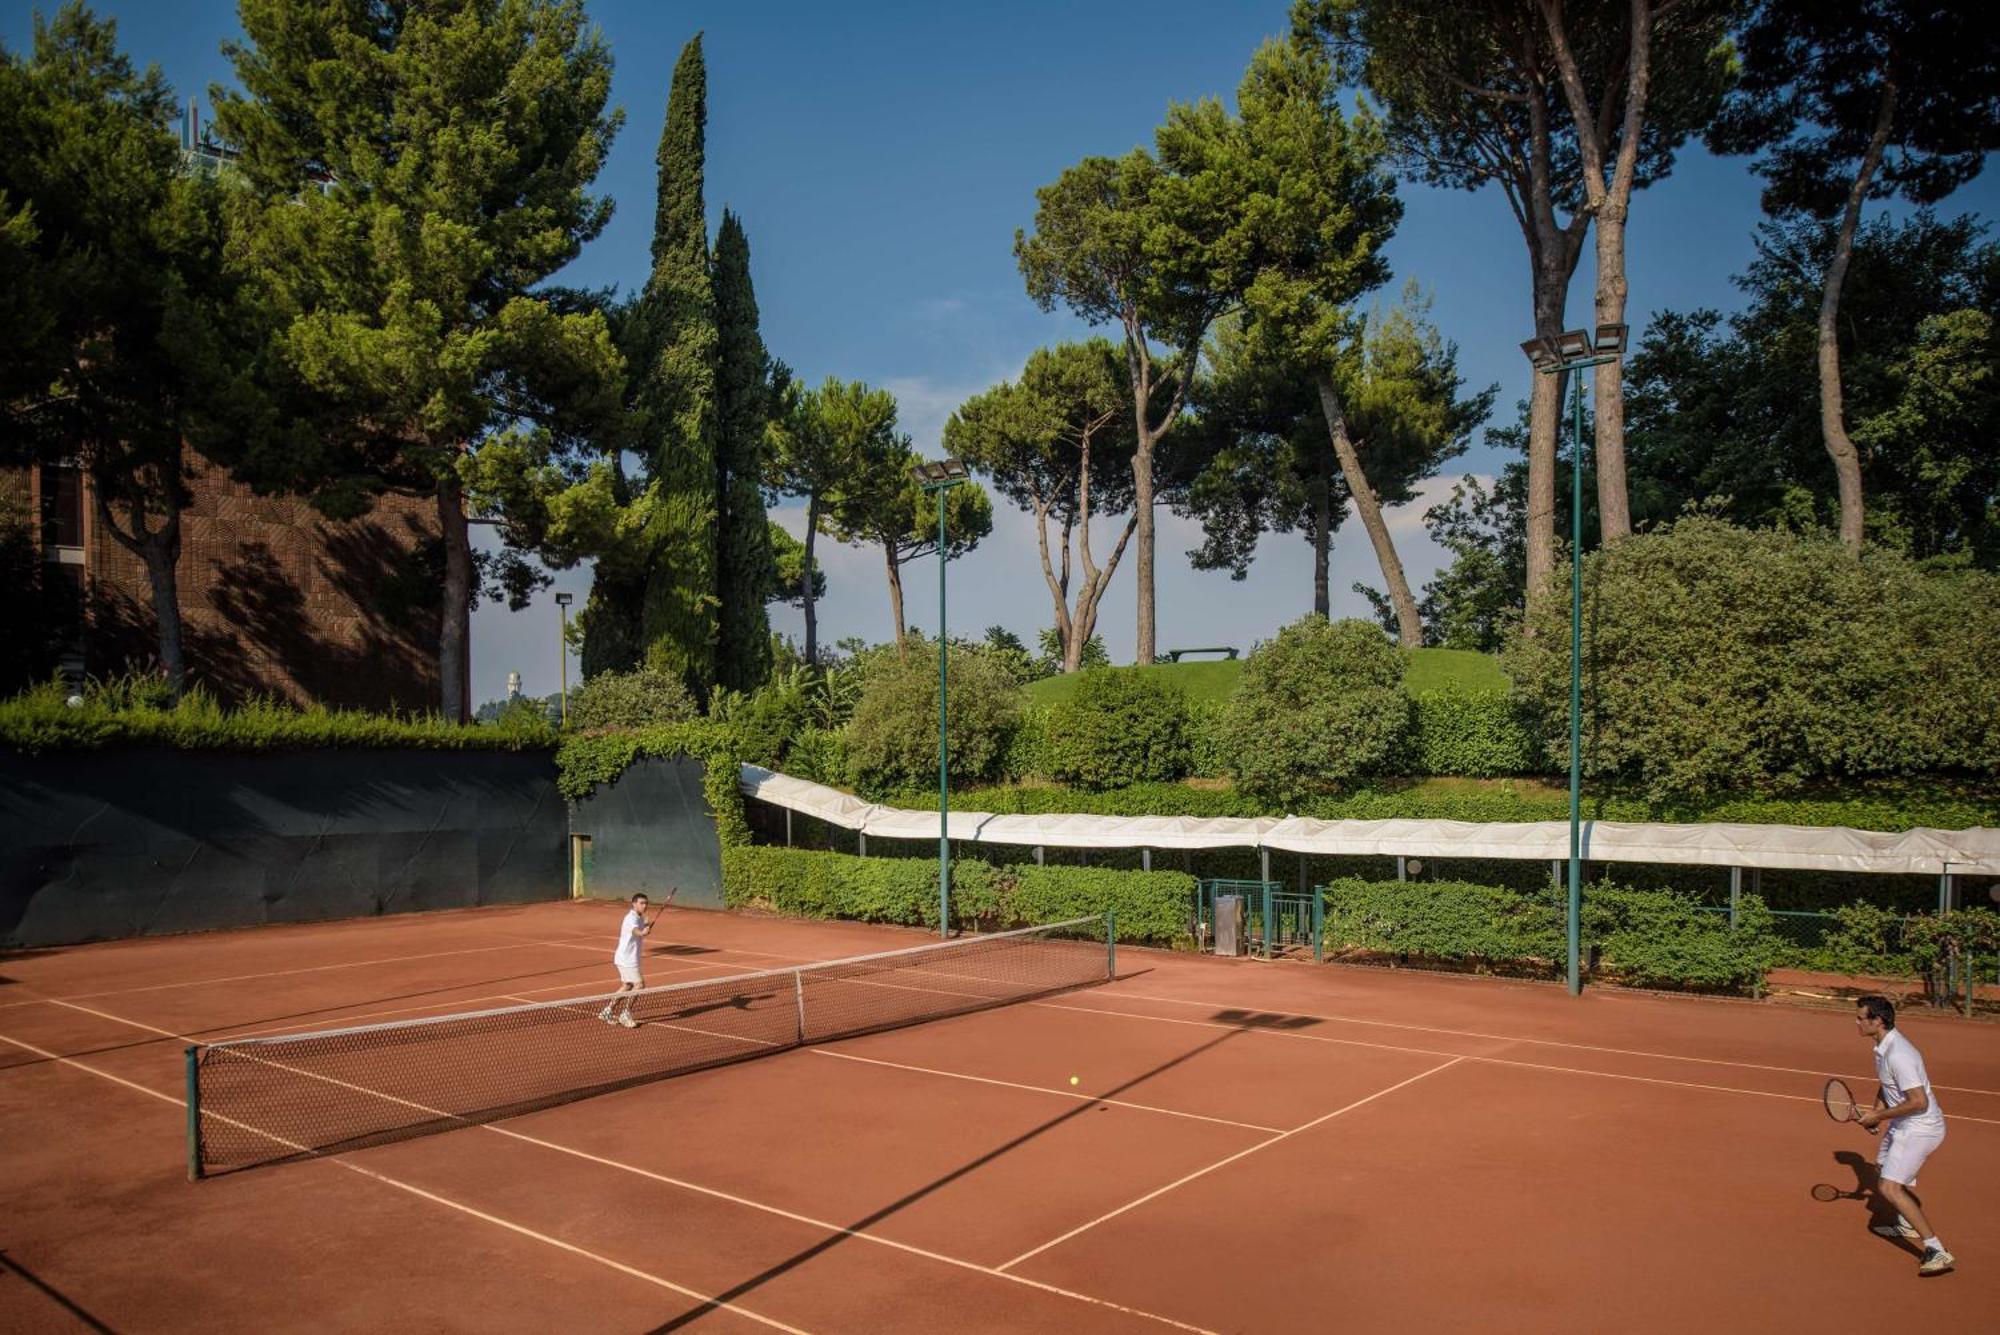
941	477
563	600
1569	352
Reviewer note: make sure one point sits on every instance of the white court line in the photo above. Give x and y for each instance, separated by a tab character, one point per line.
1157	1192
1548	1042
1471	1057
286	973
1042	1089
707	1300
622	1167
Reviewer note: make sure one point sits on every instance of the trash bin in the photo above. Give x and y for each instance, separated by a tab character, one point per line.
1229	924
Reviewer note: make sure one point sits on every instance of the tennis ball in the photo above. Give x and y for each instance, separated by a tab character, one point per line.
1072	1080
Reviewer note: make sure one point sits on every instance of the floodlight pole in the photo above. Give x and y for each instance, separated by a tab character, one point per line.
562	653
1557	357
941	478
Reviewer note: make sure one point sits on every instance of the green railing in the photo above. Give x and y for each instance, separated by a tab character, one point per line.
1276	920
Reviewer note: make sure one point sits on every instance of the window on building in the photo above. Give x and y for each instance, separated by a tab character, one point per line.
62	507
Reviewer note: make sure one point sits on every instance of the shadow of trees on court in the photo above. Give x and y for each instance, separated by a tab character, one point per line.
1240	1022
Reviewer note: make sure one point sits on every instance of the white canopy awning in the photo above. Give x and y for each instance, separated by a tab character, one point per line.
1798	847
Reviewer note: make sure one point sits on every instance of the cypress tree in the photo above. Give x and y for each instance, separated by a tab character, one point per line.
744	566
676	395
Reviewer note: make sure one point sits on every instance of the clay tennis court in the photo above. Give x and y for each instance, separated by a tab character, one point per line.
1249	1146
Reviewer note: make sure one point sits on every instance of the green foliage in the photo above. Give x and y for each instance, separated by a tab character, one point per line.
1120	726
645	697
586	760
1718	658
1472	734
138	711
745	400
893	737
1866	940
1961	934
818	754
1647	938
788	564
1152	907
1208	758
1318	706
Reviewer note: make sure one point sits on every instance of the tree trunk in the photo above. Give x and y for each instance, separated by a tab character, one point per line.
1832	418
1409	627
806	581
455	622
1544	424
159	550
1142	500
1058	588
896	593
1322	535
1614	504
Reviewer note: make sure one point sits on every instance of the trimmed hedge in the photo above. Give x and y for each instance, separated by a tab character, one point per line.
1120	726
41	720
1470	734
1153	907
1650	938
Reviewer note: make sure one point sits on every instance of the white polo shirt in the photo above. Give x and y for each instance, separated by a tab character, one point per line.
1900	1068
627	955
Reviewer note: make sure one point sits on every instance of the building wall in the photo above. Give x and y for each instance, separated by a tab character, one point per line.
275	599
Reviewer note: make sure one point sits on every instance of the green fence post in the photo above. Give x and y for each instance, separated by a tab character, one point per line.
1111	946
1319	924
194	1112
1735	894
1269	925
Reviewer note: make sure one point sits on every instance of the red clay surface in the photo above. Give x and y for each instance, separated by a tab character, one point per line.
1249	1147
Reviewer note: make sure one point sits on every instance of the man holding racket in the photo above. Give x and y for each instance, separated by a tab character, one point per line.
1913	1127
631	974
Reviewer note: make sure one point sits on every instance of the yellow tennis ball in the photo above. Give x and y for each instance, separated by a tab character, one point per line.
1072	1080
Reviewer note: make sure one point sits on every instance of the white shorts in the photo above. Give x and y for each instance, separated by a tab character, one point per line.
1903	1152
631	973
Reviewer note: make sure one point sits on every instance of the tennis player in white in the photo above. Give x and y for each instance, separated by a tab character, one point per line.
631	977
1913	1126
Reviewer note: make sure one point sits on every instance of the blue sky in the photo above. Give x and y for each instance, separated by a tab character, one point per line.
881	156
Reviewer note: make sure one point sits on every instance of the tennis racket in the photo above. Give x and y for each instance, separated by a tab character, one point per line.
1840	1104
663	907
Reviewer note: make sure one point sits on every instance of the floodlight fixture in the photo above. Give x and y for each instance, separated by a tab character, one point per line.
1610	340
935	473
565	599
1573	344
1542	352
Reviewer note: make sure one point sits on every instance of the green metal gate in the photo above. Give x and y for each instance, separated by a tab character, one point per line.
1276	920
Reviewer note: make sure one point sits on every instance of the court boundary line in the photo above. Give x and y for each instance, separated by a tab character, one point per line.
707	1300
1466	1056
286	973
1551	1043
1158	1192
573	1152
1044	1089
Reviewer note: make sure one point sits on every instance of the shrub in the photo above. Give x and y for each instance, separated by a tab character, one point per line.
818	754
1028	746
1120	726
1470	734
1152	907
1207	757
1319	705
893	738
1642	937
1719	658
645	698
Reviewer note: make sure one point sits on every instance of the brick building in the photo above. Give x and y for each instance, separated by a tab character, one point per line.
275	599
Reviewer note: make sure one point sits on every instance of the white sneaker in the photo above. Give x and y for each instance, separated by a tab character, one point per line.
1894	1229
627	1020
606	1017
1936	1261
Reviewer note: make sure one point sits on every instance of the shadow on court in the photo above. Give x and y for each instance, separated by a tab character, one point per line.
827	1244
10	1266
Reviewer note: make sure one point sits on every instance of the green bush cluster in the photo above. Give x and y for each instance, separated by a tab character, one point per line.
1473	734
1152	907
893	737
129	714
1318	706
644	698
1648	938
589	759
1120	726
1720	658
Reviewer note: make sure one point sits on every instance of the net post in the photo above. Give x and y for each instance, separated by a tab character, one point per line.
193	1058
799	1002
1319	924
1111	946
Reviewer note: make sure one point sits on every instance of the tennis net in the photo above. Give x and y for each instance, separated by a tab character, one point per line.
285	1096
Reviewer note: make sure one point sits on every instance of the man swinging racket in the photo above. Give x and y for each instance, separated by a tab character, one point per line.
631	974
1913	1126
